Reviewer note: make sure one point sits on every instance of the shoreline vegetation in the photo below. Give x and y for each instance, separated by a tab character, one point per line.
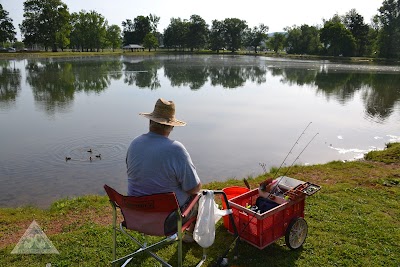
354	220
119	52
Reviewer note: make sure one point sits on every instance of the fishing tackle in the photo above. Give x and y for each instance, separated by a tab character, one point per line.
221	258
301	152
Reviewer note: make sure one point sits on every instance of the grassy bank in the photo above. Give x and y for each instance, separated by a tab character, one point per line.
353	221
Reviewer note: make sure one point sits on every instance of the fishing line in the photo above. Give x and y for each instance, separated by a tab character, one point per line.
290	167
291	150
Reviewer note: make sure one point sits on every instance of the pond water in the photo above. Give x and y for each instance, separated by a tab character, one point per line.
240	112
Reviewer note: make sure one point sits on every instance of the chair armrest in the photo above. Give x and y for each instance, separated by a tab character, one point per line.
191	205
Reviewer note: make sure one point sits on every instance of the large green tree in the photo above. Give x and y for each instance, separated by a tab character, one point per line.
128	32
256	35
303	39
134	32
154	20
113	36
46	22
294	40
217	40
175	35
389	34
337	39
142	27
276	42
234	30
150	41
197	35
7	29
355	23
89	31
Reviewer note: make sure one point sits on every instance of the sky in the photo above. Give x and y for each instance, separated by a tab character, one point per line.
275	14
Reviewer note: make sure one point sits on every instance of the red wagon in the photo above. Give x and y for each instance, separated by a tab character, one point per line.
286	219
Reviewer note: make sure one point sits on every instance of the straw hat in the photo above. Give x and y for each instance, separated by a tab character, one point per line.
164	113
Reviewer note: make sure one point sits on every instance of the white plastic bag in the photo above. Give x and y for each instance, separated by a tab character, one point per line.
208	214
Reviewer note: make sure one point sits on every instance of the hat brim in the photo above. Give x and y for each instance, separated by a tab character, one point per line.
164	121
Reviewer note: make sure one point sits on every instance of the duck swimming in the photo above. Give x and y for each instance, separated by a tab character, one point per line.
90	151
67	158
98	156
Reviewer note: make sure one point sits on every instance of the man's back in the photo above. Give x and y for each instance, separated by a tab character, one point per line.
158	164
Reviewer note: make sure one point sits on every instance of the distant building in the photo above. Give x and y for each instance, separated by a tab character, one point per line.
133	47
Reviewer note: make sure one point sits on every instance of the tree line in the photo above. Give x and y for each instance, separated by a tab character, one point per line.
49	24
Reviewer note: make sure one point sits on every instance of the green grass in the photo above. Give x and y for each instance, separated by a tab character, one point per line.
354	220
390	155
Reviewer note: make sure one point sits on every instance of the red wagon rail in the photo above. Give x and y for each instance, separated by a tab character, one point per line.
263	229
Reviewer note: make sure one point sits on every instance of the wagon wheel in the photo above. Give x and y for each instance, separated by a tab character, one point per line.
296	233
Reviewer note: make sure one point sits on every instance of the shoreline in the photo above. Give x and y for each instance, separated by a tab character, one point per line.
43	54
369	157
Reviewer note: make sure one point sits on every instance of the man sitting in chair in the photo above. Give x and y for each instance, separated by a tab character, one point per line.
157	164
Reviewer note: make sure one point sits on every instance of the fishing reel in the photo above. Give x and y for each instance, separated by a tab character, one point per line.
267	188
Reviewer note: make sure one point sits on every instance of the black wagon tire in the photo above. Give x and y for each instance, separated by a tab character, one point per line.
296	233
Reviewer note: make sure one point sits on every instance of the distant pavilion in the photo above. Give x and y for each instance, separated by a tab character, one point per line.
133	47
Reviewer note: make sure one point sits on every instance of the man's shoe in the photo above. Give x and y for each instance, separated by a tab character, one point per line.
187	237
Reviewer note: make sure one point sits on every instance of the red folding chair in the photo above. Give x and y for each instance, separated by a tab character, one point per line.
147	215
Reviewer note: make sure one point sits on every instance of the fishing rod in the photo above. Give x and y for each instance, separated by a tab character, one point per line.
290	167
291	150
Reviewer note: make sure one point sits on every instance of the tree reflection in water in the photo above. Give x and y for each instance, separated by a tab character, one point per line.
380	91
10	83
142	73
54	82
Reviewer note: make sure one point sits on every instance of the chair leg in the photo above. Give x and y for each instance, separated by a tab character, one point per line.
144	245
147	249
180	235
114	234
203	259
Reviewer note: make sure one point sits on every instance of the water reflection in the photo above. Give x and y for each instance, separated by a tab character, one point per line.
380	102
10	83
193	76
142	73
55	82
380	91
52	84
95	76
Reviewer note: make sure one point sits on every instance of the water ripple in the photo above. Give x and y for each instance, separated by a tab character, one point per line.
77	151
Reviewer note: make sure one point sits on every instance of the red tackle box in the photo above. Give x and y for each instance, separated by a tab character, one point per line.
260	230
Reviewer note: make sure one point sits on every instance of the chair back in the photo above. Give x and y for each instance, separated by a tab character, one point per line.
145	214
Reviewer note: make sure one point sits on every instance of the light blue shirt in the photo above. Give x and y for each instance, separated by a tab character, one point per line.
157	164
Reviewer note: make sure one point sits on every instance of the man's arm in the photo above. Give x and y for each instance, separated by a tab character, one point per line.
194	190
